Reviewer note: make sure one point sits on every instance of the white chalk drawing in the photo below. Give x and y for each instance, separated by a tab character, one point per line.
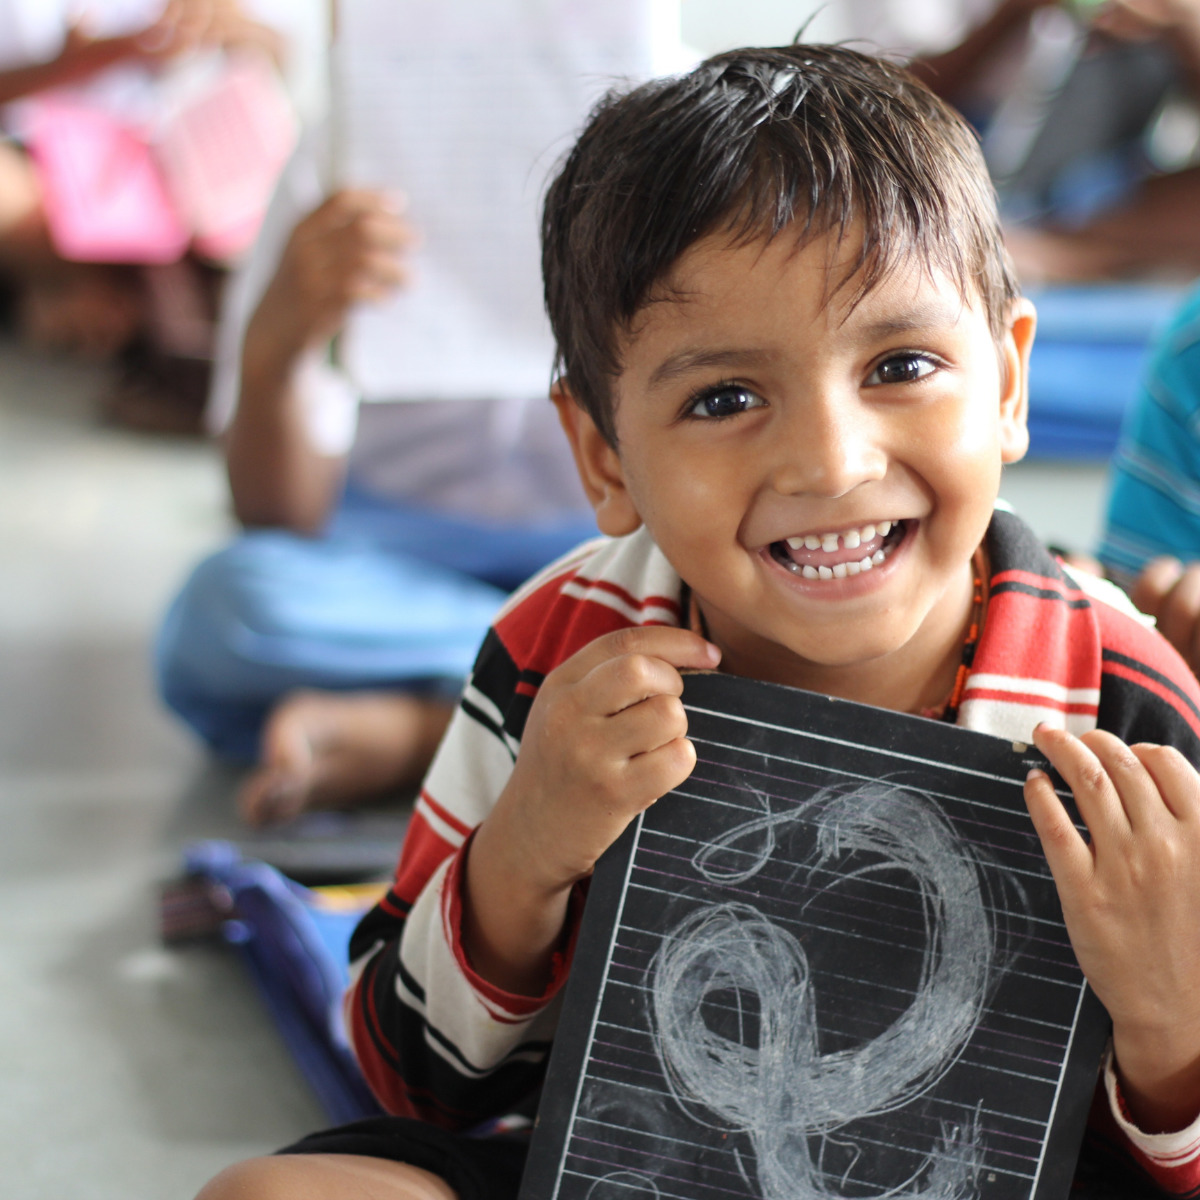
624	1185
777	1088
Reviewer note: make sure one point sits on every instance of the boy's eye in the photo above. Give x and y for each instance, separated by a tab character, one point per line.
726	400
902	368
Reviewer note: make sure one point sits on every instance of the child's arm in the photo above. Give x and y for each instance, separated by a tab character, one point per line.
81	56
949	72
1130	898
436	1039
605	738
349	250
1177	22
183	26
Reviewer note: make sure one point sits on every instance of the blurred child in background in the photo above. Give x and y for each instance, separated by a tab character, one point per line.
329	641
1151	542
1002	62
91	308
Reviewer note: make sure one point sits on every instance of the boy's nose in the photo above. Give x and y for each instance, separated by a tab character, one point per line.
828	448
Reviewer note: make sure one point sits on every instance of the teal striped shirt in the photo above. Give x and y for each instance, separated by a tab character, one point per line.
1154	498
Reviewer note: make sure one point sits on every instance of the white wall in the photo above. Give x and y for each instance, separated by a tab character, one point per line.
899	25
714	25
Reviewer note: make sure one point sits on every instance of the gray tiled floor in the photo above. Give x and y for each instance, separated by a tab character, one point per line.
128	1071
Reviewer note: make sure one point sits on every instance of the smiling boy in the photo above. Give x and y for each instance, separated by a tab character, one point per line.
793	363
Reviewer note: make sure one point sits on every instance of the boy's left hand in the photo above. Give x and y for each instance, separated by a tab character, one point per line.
1131	901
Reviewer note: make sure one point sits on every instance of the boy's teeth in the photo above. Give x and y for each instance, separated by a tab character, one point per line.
830	543
840	570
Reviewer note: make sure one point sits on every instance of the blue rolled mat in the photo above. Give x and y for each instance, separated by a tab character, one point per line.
295	941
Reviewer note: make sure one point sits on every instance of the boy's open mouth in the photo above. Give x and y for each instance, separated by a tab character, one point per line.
838	555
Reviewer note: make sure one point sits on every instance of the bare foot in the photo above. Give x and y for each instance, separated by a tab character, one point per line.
339	750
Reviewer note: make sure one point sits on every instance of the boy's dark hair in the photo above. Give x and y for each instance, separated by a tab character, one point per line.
747	142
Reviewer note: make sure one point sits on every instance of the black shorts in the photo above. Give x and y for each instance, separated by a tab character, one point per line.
487	1168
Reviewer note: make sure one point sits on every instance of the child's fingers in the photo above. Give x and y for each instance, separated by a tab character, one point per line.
386	268
655	773
347	210
386	231
681	648
1116	795
1095	793
1175	778
1066	851
347	203
645	726
617	683
362	239
368	290
375	279
1136	791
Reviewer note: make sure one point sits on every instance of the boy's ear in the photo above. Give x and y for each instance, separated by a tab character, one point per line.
1014	394
598	464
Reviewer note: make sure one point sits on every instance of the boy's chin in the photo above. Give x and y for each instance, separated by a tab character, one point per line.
795	661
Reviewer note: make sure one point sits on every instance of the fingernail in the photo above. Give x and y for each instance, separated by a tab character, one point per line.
1035	774
714	653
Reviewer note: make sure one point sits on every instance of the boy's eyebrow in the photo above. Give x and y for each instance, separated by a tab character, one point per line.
688	361
924	314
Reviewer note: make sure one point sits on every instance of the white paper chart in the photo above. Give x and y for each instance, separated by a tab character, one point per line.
465	109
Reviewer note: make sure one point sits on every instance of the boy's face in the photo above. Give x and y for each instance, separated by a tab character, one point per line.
819	474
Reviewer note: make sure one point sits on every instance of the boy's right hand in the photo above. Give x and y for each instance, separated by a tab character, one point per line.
605	738
348	251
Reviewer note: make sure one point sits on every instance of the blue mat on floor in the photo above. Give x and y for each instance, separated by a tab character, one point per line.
294	940
1088	360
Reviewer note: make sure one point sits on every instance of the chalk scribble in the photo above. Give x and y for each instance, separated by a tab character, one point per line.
775	1085
624	1185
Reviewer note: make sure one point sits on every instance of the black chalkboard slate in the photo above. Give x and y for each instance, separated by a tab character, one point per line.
830	964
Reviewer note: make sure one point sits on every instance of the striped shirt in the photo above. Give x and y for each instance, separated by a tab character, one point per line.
437	1041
